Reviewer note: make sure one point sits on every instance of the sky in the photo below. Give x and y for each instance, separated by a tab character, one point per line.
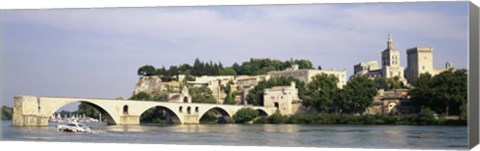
95	53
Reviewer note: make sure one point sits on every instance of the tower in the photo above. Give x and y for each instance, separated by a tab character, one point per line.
391	61
419	61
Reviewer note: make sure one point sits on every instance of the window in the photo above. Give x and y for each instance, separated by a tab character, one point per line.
125	109
180	109
196	109
189	111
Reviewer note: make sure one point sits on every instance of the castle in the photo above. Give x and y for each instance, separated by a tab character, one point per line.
419	61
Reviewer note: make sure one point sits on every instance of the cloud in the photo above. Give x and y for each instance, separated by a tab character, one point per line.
114	40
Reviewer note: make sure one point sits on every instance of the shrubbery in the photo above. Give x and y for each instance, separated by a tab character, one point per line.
425	118
244	115
7	113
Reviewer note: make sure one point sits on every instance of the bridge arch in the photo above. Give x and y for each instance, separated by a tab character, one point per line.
262	112
172	113
97	106
224	115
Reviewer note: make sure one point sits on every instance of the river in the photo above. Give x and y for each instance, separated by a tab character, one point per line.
342	136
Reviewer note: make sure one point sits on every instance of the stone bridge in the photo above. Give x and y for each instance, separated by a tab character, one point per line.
36	110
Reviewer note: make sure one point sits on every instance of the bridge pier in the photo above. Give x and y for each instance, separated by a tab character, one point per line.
26	113
191	119
129	120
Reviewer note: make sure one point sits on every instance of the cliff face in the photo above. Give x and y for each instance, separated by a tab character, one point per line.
148	84
153	85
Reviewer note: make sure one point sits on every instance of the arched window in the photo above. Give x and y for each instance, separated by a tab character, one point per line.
189	110
185	99
180	109
125	109
196	109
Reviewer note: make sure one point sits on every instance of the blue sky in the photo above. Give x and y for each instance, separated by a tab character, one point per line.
95	53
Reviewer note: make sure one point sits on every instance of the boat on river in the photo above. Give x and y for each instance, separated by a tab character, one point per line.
74	127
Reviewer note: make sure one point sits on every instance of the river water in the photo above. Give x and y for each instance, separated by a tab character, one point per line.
342	136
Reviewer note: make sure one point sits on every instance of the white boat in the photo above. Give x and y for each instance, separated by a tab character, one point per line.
74	127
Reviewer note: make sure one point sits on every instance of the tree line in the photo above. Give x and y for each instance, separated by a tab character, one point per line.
210	68
322	93
445	93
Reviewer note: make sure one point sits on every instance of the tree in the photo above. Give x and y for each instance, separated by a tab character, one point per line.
320	92
421	94
7	113
394	83
450	91
202	95
229	99
227	71
444	93
244	115
89	110
146	70
382	83
357	95
141	96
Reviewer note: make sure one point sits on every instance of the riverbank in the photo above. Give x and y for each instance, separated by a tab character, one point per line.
351	119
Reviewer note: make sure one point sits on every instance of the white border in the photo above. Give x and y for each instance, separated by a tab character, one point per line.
45	4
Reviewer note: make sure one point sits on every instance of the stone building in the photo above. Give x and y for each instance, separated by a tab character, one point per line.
370	69
391	61
365	67
183	97
420	60
245	84
306	75
393	101
284	98
215	84
390	64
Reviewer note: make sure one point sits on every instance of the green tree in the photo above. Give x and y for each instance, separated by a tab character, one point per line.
141	96
89	111
202	95
450	90
229	99
7	113
382	83
421	94
147	70
244	115
394	83
358	94
444	93
227	71
320	92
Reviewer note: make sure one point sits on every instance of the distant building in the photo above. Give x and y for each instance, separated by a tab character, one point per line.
390	64
183	97
391	61
365	67
284	98
370	69
306	75
214	83
393	101
246	83
420	60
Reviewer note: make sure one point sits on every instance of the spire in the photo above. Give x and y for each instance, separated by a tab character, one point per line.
390	41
